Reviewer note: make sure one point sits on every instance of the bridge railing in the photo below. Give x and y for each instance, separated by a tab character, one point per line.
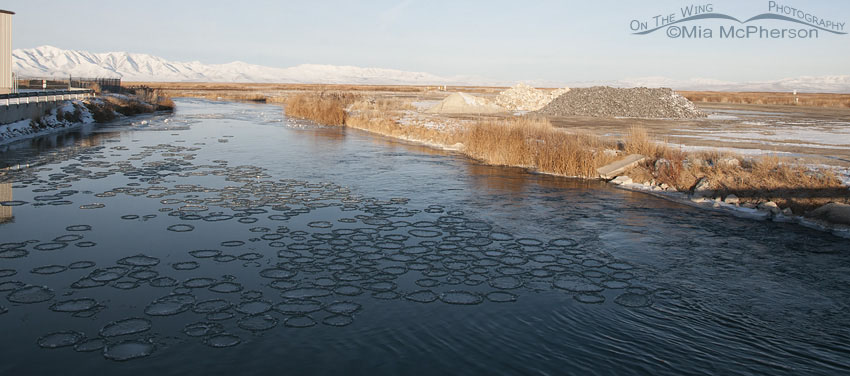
43	96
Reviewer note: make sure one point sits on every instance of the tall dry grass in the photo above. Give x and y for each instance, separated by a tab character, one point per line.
326	108
388	126
382	116
154	97
770	98
752	179
519	142
638	142
382	105
535	143
507	142
522	142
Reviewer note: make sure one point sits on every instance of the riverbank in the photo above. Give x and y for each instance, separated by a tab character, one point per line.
782	162
128	213
76	113
759	187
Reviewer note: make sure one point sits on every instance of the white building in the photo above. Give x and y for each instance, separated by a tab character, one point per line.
5	51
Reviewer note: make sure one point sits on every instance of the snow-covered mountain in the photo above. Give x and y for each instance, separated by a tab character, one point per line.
52	61
56	62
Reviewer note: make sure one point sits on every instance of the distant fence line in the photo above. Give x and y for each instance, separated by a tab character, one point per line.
55	83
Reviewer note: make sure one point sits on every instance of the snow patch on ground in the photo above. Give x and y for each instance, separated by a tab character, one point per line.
424	104
688	148
50	122
470	100
418	119
721	117
816	137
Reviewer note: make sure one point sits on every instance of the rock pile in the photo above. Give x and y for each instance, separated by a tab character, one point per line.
523	97
604	101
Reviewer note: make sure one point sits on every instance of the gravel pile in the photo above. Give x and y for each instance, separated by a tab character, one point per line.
604	101
523	97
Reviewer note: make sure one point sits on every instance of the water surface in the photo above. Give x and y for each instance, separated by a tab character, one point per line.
228	239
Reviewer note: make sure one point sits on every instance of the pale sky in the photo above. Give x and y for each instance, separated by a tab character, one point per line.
565	41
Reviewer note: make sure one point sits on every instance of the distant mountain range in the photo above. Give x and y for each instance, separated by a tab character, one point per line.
56	62
52	61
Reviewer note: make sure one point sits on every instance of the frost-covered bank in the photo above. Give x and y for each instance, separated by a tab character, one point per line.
70	115
762	187
75	113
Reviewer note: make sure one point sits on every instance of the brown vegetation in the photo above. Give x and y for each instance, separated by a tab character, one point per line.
381	105
752	180
524	141
155	97
385	123
770	98
326	108
128	106
138	100
382	116
534	143
236	96
75	116
102	112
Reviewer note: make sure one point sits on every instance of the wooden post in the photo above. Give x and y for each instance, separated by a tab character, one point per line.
5	195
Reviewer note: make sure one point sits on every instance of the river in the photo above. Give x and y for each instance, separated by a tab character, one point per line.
228	239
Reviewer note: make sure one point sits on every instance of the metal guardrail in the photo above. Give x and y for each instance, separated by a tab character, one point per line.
43	96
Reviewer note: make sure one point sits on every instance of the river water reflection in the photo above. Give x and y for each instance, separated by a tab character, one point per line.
228	239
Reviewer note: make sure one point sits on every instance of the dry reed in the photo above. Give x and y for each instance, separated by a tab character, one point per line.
770	98
535	143
381	116
752	180
382	105
326	108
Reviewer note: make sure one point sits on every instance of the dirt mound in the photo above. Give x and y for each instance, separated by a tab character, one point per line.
460	103
640	102
523	97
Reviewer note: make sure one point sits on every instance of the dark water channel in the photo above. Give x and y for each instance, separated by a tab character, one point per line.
227	239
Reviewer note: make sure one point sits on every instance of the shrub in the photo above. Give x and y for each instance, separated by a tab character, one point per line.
101	111
535	143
